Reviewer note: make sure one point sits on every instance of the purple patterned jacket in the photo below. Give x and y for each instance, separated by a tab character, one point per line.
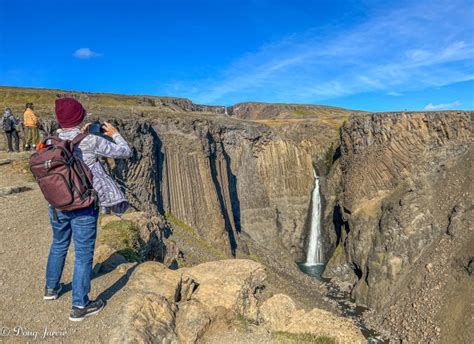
111	198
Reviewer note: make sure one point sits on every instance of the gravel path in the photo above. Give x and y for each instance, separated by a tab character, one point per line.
25	235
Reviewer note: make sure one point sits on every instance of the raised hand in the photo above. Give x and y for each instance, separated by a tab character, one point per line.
109	129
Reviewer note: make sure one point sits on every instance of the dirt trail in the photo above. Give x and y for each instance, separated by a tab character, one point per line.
25	235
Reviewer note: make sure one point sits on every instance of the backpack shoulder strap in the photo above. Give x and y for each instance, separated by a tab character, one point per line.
78	140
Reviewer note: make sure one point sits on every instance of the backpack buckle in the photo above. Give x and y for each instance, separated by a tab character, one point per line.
47	164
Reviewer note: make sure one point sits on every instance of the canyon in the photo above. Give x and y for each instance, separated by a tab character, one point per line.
237	182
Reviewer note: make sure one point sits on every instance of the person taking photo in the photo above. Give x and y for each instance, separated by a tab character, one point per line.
81	225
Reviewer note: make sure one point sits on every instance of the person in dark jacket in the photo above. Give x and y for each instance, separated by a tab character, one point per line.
9	123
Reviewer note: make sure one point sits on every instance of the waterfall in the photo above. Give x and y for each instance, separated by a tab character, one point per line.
315	246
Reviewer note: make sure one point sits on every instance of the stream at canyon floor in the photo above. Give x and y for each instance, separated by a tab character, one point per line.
347	306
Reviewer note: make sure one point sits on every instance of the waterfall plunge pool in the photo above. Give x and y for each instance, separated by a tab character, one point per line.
313	270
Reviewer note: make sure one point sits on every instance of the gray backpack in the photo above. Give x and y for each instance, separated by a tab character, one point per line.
8	123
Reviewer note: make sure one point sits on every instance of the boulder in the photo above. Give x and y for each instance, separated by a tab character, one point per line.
156	278
233	284
192	320
279	314
147	318
277	310
8	190
322	323
168	304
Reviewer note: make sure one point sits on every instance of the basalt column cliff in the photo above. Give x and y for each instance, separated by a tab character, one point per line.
402	204
227	177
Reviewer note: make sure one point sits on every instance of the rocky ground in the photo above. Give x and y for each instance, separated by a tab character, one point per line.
26	235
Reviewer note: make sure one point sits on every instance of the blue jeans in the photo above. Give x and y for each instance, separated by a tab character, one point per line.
81	225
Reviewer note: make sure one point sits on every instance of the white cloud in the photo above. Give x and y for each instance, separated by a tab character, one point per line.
394	94
85	53
424	44
447	106
418	55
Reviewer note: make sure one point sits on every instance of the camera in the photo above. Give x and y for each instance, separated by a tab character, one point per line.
96	128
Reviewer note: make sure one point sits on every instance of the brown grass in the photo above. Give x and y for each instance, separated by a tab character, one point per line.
278	121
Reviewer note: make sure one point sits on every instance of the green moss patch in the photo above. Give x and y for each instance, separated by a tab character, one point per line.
121	236
301	338
242	322
191	234
337	251
178	222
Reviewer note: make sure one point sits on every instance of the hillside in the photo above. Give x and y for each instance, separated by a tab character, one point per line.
265	111
149	106
17	97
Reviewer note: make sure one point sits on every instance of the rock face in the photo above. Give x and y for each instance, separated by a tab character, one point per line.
402	184
223	177
381	150
166	305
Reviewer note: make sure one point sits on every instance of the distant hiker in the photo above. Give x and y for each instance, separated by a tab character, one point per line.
9	123
31	123
80	224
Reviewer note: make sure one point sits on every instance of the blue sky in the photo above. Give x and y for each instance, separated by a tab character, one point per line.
371	55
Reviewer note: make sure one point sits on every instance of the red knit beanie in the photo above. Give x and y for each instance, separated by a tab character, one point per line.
69	112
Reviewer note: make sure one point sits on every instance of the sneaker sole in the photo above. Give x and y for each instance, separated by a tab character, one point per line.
88	315
50	297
